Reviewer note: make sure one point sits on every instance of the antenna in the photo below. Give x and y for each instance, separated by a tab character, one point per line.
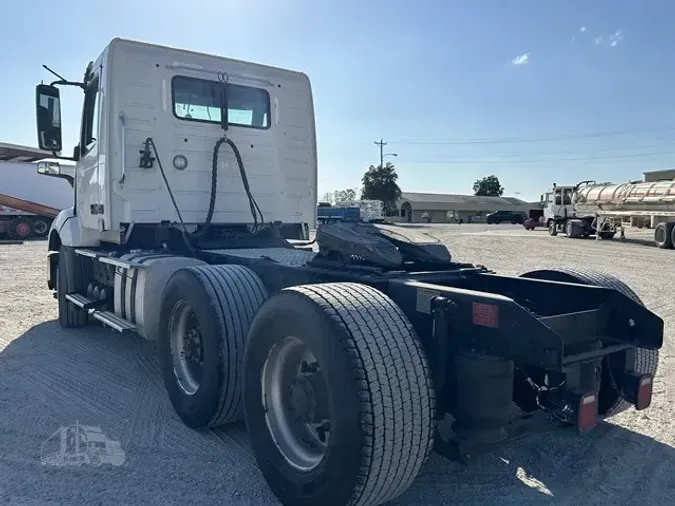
50	70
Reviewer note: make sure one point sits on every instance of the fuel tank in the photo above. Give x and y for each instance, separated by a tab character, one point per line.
651	196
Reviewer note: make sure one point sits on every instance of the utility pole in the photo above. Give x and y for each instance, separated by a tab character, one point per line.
382	144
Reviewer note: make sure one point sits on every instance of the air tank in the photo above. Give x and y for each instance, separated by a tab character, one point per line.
651	197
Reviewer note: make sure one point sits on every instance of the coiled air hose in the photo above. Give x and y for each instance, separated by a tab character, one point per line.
255	209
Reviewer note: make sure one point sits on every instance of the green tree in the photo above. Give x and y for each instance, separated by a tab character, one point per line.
488	187
346	195
380	183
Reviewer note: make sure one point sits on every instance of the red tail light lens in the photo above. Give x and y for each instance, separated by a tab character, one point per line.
587	412
644	394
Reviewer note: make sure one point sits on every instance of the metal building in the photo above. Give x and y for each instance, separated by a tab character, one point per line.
449	208
655	175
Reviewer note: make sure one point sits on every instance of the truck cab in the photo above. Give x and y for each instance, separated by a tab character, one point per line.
147	158
557	203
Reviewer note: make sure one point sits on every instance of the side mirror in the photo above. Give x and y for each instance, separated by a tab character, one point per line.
49	168
48	115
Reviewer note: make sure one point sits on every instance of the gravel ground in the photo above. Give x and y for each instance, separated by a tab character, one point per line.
53	378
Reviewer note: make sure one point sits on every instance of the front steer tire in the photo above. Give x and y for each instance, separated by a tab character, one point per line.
611	402
224	299
379	394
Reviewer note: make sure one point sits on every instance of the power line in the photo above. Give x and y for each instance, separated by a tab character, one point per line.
579	153
513	140
551	160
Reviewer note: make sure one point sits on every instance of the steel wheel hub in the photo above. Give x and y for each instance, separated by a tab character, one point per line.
23	229
295	398
186	347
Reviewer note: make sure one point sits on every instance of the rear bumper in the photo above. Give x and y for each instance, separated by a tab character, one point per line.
552	326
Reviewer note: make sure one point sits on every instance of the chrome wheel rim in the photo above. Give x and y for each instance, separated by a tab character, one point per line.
295	399
186	347
40	227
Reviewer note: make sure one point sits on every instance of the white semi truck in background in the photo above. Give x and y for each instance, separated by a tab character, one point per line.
28	202
602	209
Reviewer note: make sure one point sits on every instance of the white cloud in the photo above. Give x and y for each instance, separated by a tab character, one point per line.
573	39
521	59
598	40
615	38
582	29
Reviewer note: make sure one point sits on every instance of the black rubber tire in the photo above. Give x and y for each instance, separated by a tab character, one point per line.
569	229
224	298
646	361
606	236
380	394
17	227
552	228
40	227
663	235
70	316
672	235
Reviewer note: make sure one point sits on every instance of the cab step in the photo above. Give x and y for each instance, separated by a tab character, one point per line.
84	302
108	318
113	321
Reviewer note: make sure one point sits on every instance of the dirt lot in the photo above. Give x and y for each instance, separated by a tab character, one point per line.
53	378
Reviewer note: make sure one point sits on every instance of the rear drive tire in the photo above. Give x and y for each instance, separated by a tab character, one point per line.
646	361
663	235
377	397
205	315
70	267
20	228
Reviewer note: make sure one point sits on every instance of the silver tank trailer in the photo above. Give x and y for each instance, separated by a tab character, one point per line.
658	196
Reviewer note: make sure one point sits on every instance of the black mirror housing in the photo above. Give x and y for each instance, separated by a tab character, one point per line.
48	116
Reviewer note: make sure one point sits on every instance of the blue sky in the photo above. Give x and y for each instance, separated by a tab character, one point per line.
596	78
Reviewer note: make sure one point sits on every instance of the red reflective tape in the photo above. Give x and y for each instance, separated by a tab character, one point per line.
486	315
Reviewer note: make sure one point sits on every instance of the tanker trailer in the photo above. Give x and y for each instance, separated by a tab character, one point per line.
650	204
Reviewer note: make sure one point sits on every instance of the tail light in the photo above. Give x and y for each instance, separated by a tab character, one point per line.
637	389
644	393
587	412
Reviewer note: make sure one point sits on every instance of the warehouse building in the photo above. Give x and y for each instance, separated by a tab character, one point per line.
656	175
448	208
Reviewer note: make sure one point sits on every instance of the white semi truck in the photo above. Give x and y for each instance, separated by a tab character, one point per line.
195	190
28	202
602	209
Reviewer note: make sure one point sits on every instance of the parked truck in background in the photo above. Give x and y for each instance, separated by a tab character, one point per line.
29	203
602	209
